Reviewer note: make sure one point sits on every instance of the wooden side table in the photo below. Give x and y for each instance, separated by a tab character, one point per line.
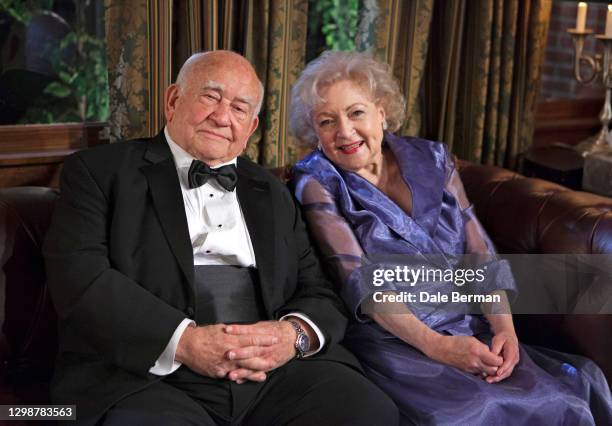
557	164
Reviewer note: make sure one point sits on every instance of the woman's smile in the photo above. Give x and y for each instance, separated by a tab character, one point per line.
351	148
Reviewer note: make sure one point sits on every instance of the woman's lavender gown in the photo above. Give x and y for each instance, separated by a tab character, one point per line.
349	218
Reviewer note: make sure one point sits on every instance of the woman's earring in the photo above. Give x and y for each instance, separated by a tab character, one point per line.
385	125
319	145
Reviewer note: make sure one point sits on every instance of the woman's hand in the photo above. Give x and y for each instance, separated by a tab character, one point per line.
504	343
466	353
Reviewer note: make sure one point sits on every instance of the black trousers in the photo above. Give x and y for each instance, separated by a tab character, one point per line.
302	392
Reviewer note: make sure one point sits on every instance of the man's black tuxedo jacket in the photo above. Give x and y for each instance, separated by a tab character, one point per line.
120	267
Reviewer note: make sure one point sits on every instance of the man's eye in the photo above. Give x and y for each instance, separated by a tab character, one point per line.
211	97
239	109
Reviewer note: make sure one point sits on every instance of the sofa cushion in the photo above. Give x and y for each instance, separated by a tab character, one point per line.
29	333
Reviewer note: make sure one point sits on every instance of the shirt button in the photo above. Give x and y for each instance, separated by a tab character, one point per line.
190	311
207	251
220	226
210	195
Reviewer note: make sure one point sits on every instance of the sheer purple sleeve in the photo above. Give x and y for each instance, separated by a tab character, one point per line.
341	252
477	242
331	231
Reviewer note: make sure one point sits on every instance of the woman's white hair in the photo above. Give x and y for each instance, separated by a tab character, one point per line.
334	66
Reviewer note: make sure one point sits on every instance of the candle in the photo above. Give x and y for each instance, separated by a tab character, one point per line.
581	16
609	22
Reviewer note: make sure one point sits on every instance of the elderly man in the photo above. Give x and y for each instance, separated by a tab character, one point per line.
184	281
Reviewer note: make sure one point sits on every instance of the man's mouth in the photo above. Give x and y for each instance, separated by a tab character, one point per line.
215	135
351	148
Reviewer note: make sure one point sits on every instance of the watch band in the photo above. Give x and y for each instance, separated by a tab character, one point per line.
300	339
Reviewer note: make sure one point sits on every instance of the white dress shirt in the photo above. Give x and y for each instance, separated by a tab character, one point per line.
219	236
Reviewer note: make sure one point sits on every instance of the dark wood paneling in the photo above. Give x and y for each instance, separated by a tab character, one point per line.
566	121
34	154
31	175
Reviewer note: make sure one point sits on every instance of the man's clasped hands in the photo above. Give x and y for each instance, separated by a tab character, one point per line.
239	352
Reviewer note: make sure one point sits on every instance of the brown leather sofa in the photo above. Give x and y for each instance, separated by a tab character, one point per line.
526	215
522	215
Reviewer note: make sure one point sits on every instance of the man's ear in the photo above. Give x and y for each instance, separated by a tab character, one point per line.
170	97
254	125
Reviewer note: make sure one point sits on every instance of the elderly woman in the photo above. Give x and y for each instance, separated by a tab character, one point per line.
365	191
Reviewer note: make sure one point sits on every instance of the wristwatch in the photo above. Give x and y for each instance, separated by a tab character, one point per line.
302	341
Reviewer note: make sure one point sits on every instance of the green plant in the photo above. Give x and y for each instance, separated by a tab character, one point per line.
338	20
21	10
83	78
80	90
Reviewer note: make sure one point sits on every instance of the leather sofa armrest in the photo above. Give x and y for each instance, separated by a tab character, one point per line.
527	215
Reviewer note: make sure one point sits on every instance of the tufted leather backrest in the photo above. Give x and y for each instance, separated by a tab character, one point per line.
29	326
526	215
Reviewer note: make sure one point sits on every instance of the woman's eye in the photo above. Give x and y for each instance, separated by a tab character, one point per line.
358	113
325	123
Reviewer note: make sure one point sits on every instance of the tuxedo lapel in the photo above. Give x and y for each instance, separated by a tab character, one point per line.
168	202
256	205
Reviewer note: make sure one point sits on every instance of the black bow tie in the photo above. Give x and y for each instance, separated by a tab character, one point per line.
199	173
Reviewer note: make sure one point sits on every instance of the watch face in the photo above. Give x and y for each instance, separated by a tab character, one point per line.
302	343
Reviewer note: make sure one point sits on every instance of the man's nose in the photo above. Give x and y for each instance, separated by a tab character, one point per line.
221	114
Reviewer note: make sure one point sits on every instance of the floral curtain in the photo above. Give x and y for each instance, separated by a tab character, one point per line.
147	41
401	39
470	70
128	62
